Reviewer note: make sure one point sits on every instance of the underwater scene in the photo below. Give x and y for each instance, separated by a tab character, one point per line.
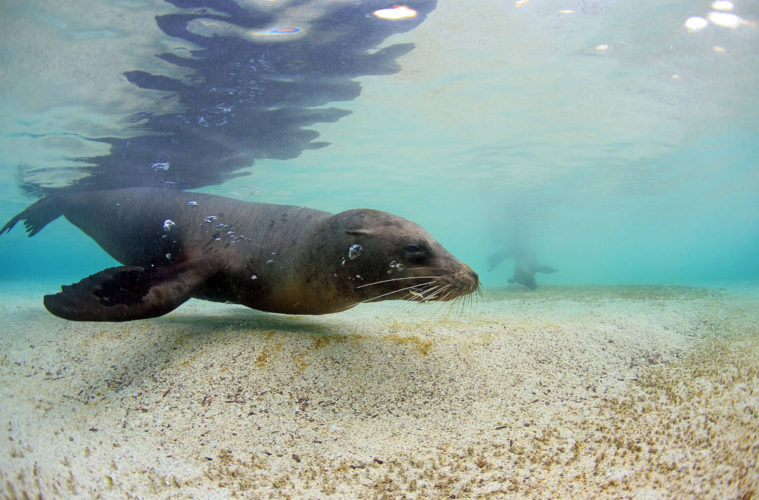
369	249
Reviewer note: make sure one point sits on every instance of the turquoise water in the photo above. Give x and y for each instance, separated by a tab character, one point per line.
621	146
615	141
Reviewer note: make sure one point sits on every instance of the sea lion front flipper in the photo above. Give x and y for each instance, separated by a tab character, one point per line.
126	293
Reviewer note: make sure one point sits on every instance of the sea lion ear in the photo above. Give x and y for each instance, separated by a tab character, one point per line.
359	232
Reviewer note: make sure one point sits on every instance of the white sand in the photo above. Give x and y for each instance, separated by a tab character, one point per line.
604	392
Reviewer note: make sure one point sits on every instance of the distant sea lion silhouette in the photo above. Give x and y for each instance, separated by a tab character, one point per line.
286	259
525	265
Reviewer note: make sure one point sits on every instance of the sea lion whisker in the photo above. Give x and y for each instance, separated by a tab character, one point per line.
434	293
429	294
424	294
395	291
451	294
435	288
458	305
397	279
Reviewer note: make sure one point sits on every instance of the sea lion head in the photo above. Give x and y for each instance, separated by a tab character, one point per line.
374	255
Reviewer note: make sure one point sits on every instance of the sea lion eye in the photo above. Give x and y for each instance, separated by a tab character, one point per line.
415	252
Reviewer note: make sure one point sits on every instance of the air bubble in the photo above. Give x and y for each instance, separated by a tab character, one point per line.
696	23
395	13
192	203
354	251
168	224
160	165
253	277
722	5
395	266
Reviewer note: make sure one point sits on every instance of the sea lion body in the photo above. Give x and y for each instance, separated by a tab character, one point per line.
525	264
286	259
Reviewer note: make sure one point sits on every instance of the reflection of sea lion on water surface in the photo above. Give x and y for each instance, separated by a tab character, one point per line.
525	265
176	245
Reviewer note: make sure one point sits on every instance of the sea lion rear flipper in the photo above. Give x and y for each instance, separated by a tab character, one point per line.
35	217
126	293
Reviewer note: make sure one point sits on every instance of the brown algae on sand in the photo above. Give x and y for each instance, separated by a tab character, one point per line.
587	392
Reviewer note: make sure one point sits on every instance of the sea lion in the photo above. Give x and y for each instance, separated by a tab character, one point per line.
525	265
175	245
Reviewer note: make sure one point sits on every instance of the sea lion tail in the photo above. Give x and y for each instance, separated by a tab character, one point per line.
35	217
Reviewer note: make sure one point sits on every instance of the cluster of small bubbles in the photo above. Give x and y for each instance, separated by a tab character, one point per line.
234	237
228	230
260	62
395	266
160	165
212	118
354	251
168	224
192	203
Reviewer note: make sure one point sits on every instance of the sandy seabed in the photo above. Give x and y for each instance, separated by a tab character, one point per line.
616	392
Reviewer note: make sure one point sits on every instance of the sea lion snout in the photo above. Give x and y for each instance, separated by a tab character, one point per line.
473	277
462	279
